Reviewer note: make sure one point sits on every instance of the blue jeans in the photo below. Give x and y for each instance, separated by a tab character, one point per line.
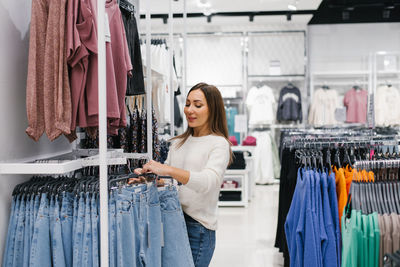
66	217
125	230
40	248
202	242
87	234
58	258
147	223
19	235
12	226
94	216
175	235
134	196
28	232
78	231
150	228
112	239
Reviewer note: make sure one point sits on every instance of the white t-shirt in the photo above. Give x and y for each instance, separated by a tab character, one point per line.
206	158
261	105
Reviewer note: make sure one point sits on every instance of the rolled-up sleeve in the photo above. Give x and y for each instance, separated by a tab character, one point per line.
211	176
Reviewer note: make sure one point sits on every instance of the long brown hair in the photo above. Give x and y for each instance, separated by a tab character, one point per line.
217	118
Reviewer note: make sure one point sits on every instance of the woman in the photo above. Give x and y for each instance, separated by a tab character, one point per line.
198	159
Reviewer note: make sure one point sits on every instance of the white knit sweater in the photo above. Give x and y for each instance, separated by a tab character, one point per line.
206	158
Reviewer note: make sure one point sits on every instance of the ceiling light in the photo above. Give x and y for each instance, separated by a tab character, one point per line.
207	11
203	4
293	5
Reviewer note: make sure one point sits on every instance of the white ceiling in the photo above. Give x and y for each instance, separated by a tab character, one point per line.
162	6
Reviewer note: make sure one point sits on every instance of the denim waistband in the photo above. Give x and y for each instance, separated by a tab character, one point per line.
168	192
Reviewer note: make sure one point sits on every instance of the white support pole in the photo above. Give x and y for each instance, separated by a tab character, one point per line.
184	77
101	44
149	82
171	69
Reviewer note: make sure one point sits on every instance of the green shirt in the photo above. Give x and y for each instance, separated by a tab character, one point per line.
349	240
377	234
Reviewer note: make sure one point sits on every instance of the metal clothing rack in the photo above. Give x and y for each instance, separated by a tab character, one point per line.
377	164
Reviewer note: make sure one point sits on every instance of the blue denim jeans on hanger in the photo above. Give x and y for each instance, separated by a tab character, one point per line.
94	216
78	231
87	235
175	235
58	258
150	227
202	242
134	196
19	234
40	255
28	233
112	239
12	226
125	231
66	218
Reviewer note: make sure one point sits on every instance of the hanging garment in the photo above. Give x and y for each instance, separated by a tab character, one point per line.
160	67
135	84
323	106
356	103
310	226
265	158
178	120
361	236
146	225
386	103
287	185
289	105
48	95
261	104
231	112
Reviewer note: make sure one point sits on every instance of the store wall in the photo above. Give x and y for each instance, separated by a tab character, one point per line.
15	145
345	47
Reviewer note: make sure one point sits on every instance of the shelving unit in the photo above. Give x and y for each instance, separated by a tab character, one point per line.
63	163
242	177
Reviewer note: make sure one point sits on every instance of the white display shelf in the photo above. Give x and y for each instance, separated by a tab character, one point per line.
241	176
231	189
231	204
341	73
390	73
60	165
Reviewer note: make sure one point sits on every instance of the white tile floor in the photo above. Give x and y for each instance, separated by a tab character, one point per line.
246	236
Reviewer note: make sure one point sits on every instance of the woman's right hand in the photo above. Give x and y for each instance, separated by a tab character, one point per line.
140	179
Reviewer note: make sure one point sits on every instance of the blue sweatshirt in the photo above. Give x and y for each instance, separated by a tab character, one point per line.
300	226
329	255
294	214
335	215
322	236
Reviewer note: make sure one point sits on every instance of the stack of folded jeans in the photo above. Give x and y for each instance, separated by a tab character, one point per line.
146	228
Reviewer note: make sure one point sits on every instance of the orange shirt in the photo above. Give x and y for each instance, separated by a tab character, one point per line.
348	174
341	190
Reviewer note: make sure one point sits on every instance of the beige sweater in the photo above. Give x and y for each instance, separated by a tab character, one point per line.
206	158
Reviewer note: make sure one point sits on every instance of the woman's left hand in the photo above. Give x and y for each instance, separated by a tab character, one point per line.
156	167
